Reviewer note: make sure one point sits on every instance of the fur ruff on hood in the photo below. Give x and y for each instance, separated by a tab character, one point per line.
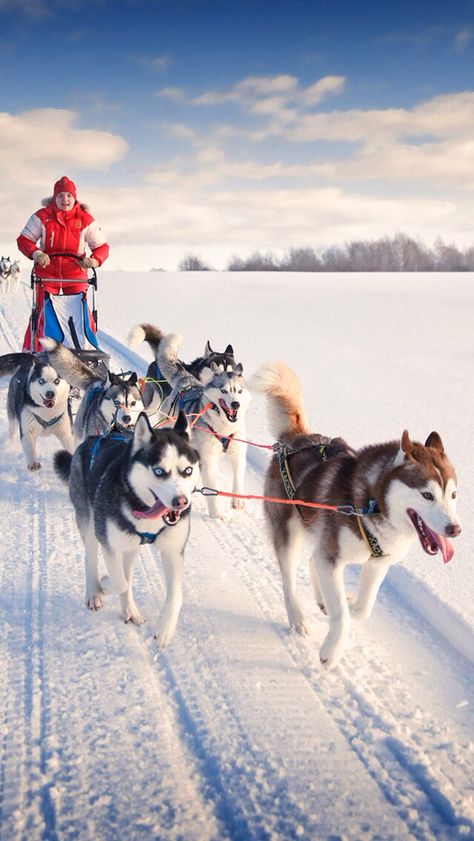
45	202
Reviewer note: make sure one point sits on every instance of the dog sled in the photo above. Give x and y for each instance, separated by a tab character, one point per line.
70	319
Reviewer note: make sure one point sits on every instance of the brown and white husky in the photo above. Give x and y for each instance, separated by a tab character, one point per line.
402	490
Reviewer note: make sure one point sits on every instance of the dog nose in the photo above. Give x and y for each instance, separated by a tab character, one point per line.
126	418
50	395
235	404
179	501
453	530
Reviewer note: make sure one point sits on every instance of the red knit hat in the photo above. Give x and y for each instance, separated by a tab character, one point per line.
65	185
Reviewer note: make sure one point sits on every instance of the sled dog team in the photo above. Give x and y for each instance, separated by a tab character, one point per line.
131	483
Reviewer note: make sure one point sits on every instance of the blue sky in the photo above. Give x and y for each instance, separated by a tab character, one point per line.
219	128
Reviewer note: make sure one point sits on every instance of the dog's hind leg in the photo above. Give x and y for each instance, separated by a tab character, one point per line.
130	612
372	575
288	553
331	580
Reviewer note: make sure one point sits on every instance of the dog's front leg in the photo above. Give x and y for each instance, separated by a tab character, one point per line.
209	461
288	554
65	436
331	579
28	443
130	612
238	458
94	593
173	565
116	581
371	576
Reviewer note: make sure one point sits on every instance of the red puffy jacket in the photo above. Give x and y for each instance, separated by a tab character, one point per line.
53	230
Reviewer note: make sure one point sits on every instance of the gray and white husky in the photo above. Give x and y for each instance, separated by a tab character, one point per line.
115	403
128	490
217	384
401	490
37	403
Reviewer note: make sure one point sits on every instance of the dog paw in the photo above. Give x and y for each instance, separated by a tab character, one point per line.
133	617
164	634
95	601
34	465
238	504
330	654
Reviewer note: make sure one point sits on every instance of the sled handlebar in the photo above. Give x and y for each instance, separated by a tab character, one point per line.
92	281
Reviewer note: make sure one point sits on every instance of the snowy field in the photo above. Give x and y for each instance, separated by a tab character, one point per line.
234	731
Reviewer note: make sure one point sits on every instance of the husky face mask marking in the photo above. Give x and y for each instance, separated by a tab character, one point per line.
122	401
428	494
46	387
227	392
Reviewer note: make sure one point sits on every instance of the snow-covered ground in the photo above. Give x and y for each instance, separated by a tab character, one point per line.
234	731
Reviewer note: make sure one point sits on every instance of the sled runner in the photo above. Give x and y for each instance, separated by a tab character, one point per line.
66	318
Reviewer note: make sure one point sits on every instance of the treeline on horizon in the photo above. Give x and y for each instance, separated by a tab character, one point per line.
400	253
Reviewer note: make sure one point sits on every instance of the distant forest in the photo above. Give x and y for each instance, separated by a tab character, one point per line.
400	253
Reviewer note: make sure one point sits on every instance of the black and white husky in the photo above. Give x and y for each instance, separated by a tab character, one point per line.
401	490
214	381
114	403
129	490
37	403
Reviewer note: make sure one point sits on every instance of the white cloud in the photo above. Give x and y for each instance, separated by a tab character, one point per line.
463	38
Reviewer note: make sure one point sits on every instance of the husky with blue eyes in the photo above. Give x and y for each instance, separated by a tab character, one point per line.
37	403
213	393
128	491
113	403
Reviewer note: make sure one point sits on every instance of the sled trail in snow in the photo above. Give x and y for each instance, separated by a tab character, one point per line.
234	731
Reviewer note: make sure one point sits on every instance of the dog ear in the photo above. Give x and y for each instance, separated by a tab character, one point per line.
143	433
182	426
434	440
405	450
229	350
239	368
133	378
113	378
208	350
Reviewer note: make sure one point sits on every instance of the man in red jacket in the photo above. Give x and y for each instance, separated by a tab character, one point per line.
62	226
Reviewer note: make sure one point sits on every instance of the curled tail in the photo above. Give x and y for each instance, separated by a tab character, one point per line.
285	400
62	465
168	362
145	333
10	362
68	366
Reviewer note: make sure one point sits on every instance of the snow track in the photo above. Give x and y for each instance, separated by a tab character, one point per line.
234	732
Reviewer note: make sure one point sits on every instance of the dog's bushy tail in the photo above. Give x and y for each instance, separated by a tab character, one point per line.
167	358
62	465
10	362
68	366
285	399
145	333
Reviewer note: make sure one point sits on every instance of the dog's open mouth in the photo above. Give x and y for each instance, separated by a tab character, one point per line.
49	403
430	540
231	414
169	515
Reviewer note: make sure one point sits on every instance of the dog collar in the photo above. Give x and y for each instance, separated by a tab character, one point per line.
46	423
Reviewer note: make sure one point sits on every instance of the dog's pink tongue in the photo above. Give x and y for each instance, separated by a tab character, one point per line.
442	543
156	510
